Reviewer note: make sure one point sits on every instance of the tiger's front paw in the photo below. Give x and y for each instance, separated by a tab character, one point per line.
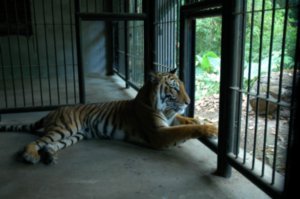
208	130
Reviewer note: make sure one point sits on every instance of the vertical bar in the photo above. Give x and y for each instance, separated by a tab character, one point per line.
19	54
292	166
109	44
258	82
38	54
249	77
95	5
240	56
163	36
148	8
87	5
55	52
279	88
230	71
46	48
268	88
79	55
28	53
3	79
126	7
178	30
187	58
160	52
64	50
10	53
72	51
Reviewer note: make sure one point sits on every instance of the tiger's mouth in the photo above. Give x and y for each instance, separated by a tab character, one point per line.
180	108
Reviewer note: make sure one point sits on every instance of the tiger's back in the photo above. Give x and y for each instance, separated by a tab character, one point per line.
111	120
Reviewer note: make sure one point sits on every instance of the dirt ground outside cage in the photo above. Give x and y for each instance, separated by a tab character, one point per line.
207	110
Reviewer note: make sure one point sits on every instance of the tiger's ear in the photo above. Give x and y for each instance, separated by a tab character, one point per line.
173	71
153	77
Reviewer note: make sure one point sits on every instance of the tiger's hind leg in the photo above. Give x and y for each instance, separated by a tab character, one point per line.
48	153
31	151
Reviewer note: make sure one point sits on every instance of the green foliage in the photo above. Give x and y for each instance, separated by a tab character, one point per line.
206	84
257	52
208	62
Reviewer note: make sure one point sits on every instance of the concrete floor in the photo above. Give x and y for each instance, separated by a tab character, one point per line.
110	169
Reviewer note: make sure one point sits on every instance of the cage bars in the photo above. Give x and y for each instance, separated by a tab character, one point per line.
29	57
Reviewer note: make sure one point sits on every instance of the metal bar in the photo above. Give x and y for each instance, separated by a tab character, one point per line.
126	49
206	4
163	51
72	50
28	54
248	86
178	34
160	35
131	84
79	55
87	5
64	51
109	42
273	191
19	55
46	49
258	83
3	79
38	54
279	89
168	33
229	76
240	56
187	58
268	89
210	143
55	52
173	37
148	9
10	54
271	100
292	166
112	16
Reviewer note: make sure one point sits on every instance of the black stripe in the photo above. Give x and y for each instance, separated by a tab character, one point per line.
106	123
65	123
43	141
60	133
63	143
91	115
77	137
96	121
48	136
82	134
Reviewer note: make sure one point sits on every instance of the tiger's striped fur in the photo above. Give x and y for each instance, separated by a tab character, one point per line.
152	119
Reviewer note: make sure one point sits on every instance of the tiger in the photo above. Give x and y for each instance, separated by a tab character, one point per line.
154	118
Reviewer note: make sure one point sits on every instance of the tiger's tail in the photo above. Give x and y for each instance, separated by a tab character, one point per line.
28	128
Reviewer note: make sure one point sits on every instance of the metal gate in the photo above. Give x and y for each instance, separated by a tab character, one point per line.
38	60
259	75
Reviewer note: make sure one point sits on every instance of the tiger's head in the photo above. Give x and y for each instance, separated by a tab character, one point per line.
167	92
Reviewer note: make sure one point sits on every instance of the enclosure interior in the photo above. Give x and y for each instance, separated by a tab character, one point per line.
240	66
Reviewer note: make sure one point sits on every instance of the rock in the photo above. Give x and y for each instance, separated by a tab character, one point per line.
286	92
